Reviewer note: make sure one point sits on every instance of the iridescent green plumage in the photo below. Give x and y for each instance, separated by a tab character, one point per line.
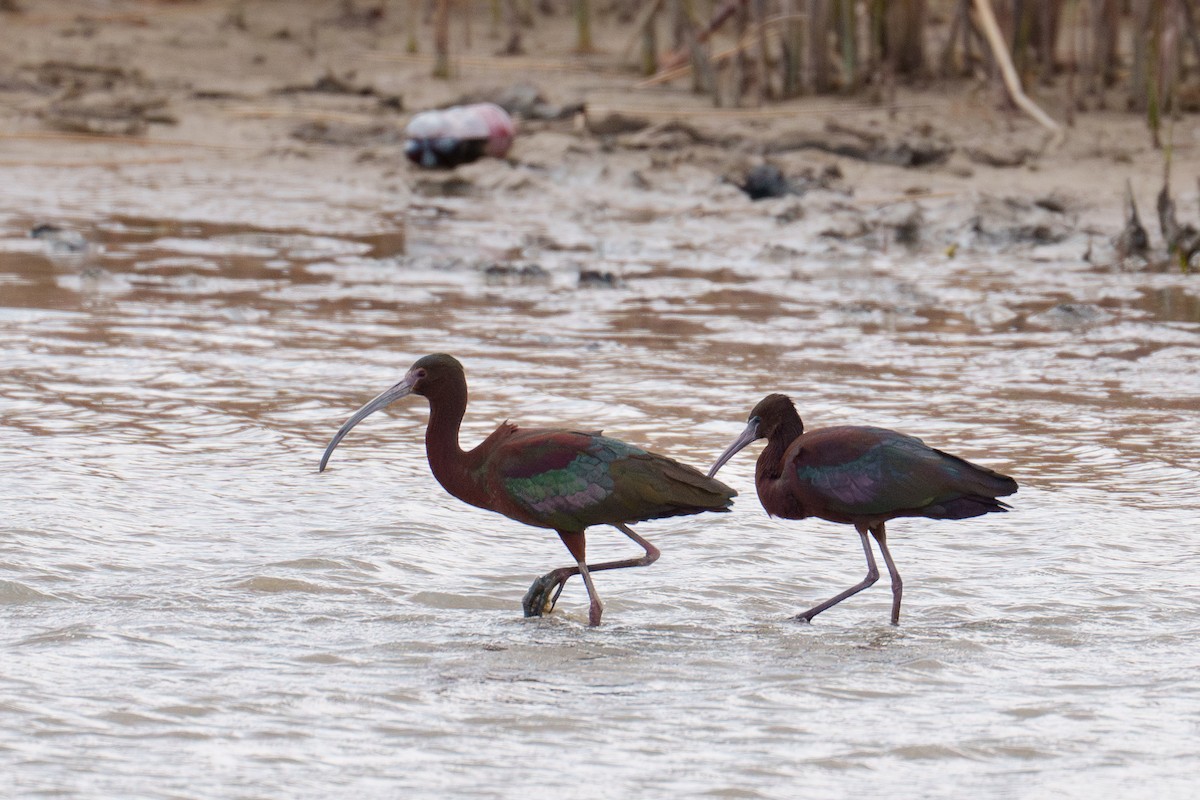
569	481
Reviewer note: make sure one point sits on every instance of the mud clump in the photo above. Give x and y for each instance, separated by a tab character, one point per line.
598	279
106	115
59	240
447	185
73	80
1017	220
906	223
846	223
615	124
916	148
351	16
1182	240
1070	316
97	99
1002	159
346	134
515	274
679	136
779	253
524	100
1132	241
329	83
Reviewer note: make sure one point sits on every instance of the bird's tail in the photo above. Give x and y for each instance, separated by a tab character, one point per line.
981	481
678	489
972	505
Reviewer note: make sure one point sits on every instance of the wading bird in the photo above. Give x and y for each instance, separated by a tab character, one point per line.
862	477
558	479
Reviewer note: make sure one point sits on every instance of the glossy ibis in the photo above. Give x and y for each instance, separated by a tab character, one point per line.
558	479
862	477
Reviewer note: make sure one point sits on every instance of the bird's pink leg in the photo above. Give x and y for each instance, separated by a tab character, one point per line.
596	608
897	584
872	576
538	600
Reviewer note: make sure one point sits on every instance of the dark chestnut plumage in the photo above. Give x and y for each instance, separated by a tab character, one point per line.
863	477
559	479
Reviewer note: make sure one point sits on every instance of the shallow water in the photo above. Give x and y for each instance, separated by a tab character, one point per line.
190	610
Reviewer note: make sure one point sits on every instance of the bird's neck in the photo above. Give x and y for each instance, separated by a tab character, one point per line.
770	473
770	461
775	492
446	458
770	464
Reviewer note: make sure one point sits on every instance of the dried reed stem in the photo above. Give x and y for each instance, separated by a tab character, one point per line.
991	30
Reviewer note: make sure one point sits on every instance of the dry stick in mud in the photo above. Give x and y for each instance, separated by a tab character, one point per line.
987	20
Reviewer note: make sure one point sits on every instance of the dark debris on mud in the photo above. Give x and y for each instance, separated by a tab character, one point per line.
767	180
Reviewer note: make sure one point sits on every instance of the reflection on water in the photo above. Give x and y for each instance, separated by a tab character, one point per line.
191	610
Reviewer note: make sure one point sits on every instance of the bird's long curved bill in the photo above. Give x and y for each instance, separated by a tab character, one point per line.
747	436
401	389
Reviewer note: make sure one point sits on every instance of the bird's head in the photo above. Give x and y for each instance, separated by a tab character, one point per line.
430	376
432	373
773	414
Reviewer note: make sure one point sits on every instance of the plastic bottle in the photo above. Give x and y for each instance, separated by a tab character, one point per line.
448	137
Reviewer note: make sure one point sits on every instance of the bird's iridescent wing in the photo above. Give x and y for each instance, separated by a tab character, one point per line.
569	480
866	471
560	472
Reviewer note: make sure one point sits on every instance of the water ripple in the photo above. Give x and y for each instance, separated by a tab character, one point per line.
191	610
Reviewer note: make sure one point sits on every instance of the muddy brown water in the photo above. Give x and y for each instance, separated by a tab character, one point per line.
190	610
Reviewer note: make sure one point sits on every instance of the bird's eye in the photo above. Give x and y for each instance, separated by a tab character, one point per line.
421	374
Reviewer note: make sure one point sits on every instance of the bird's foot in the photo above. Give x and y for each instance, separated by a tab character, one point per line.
805	618
541	597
